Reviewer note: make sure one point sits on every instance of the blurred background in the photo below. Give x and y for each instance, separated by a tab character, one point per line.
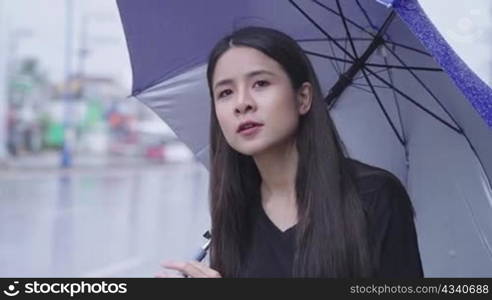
92	183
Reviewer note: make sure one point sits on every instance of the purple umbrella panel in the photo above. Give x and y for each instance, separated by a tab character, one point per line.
400	97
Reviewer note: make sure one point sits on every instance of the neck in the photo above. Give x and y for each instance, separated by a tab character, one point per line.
278	168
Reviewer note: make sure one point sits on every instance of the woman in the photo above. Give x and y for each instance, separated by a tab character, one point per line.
284	199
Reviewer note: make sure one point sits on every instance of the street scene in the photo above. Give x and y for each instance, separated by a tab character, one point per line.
93	183
116	221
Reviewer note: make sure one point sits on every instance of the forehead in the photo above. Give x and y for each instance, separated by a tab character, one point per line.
238	61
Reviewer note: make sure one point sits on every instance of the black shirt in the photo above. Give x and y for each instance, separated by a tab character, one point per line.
392	235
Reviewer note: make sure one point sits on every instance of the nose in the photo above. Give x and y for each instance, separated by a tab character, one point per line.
244	103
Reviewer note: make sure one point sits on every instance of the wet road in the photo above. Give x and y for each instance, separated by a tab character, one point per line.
101	222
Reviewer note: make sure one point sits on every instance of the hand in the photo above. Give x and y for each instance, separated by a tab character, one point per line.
189	269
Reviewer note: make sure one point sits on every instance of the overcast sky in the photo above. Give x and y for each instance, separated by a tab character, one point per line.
45	20
466	25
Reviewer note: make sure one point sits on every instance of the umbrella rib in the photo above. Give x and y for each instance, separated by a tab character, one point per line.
327	56
362	76
398	109
328	40
477	226
374	85
347	31
383	109
426	88
365	14
360	88
348	20
404	67
409	48
346	78
335	63
458	130
365	39
332	58
335	39
372	34
344	56
319	27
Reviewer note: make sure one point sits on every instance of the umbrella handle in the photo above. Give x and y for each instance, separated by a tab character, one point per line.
203	251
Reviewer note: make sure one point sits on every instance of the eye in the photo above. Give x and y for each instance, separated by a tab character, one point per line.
224	93
262	83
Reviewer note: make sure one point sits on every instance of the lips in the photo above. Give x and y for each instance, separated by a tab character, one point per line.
247	125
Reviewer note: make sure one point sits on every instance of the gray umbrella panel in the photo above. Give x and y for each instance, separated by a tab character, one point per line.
183	103
415	129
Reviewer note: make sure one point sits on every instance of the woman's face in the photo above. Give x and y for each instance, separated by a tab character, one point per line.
249	86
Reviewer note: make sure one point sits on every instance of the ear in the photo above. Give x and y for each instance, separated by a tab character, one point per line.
304	98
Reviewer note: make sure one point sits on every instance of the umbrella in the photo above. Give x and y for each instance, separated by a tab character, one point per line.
400	97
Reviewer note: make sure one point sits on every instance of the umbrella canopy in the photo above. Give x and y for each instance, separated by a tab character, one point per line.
400	97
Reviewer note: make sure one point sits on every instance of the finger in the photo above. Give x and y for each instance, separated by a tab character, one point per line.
163	274
166	263
206	269
186	268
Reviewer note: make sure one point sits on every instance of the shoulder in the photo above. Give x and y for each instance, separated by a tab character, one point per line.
379	189
389	211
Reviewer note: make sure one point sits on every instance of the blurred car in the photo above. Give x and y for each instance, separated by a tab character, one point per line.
159	143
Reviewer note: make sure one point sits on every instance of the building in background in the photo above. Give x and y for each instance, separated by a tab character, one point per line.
28	94
92	101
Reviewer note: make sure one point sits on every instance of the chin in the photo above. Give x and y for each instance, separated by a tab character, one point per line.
250	150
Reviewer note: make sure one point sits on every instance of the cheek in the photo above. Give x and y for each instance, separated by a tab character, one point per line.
285	121
225	122
284	111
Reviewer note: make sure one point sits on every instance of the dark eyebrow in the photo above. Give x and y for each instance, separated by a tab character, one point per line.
249	75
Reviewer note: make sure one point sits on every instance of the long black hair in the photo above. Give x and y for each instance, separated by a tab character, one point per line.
331	231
